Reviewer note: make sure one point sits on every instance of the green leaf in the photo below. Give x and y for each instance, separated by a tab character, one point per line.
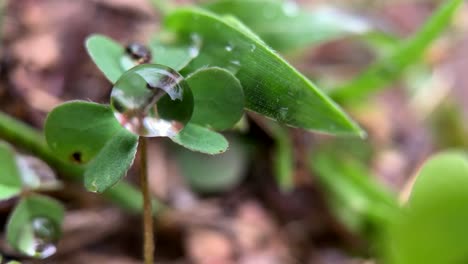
201	139
390	68
109	55
34	225
207	174
10	178
78	130
432	228
350	184
106	54
271	86
286	26
218	96
175	54
112	162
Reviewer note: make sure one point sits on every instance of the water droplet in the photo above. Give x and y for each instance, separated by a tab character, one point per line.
282	114
194	49
290	8
38	239
229	47
152	100
252	47
135	54
36	174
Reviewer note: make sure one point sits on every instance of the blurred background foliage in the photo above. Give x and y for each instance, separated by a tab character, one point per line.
279	194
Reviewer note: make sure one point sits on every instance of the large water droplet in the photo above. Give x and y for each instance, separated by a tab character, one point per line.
152	100
38	239
135	54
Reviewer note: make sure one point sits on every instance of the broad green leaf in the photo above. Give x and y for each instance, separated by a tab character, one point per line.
218	96
112	162
78	130
390	67
10	177
107	55
286	26
35	226
207	174
271	86
432	228
201	139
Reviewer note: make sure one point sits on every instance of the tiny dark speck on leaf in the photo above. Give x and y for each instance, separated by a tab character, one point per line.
76	156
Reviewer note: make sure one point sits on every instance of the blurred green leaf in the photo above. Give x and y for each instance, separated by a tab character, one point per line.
10	178
201	139
112	162
389	68
271	86
106	54
432	228
218	96
218	173
286	26
34	226
349	183
78	130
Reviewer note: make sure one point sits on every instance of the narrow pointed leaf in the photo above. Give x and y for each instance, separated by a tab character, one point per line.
112	162
390	68
23	232
271	86
78	130
10	178
201	139
286	26
218	97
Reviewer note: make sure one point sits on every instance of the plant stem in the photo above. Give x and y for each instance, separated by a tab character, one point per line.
31	140
147	214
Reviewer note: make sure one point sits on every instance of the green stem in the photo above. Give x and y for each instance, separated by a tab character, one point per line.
28	138
148	233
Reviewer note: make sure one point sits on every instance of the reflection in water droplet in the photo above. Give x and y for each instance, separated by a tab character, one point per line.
135	54
229	48
152	100
290	8
38	239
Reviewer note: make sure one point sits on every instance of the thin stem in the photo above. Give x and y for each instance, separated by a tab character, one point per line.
31	140
147	213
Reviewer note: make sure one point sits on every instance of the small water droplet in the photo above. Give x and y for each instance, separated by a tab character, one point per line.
236	62
38	239
195	47
229	47
152	100
252	47
93	187
135	54
290	8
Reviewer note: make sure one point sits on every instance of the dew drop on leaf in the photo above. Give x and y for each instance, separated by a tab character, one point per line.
152	100
39	238
135	54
